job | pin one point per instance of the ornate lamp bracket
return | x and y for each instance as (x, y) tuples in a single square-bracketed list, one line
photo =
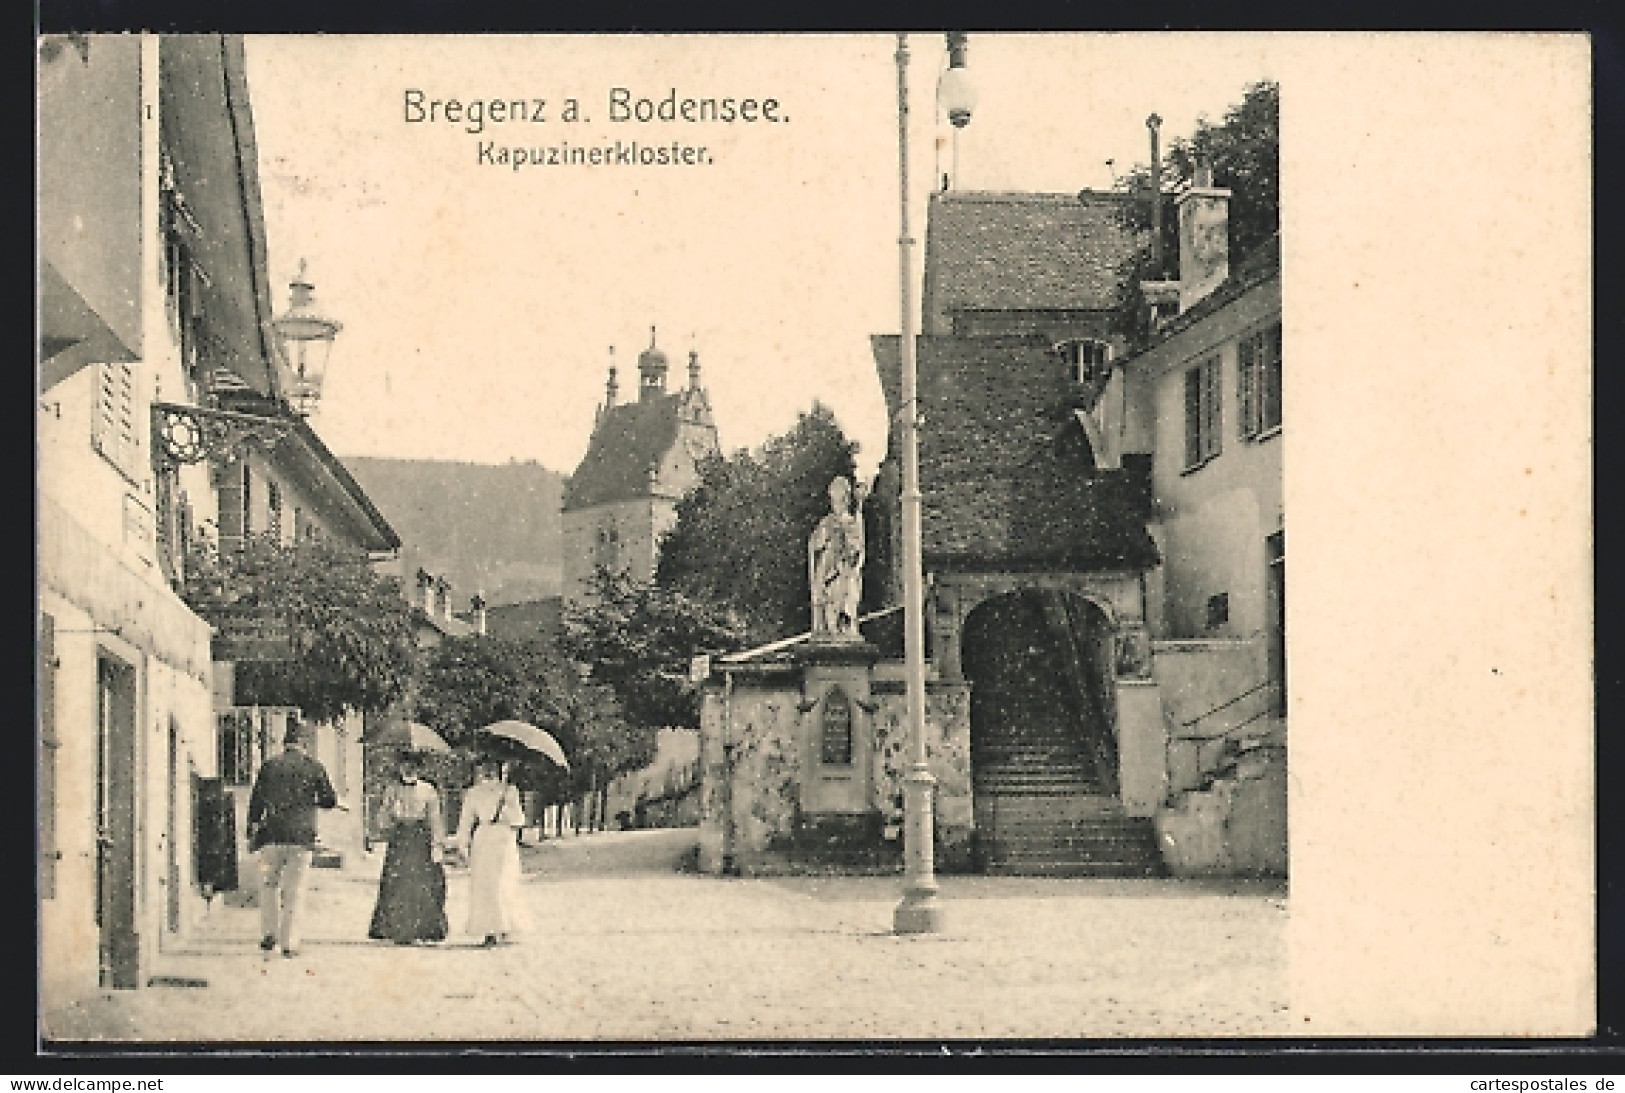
[(192, 434)]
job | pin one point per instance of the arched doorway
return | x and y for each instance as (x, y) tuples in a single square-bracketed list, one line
[(1041, 711), (1044, 766)]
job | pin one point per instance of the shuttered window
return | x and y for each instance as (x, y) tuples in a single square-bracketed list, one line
[(1271, 379), (1247, 386), (114, 431), (235, 739), (1258, 358), (1203, 416), (231, 485)]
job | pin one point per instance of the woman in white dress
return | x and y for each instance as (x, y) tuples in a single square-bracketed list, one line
[(488, 836)]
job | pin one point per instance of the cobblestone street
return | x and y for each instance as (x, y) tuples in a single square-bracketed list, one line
[(626, 947)]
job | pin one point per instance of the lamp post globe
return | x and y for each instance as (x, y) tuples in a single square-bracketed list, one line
[(956, 95)]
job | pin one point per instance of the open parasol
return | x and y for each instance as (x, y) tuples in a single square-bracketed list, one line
[(519, 740), (409, 736)]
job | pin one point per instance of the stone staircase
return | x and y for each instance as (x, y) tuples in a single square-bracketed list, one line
[(1045, 802), (1041, 812)]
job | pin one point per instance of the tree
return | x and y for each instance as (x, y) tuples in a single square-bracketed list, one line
[(741, 535), (640, 639), (1243, 151), (350, 628), (469, 682)]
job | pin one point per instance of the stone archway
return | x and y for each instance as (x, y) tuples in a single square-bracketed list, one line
[(1043, 728), (1042, 711)]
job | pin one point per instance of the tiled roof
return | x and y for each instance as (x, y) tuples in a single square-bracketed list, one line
[(1005, 477), (320, 475), (627, 446), (1023, 251)]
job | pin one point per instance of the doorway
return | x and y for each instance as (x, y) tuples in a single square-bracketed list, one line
[(1041, 709), (172, 833), (1275, 553), (119, 955)]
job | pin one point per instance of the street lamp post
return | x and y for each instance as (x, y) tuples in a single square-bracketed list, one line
[(920, 911)]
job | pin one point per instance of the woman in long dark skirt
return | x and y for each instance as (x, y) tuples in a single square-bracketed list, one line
[(412, 893)]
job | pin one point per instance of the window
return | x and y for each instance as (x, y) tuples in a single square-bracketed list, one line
[(183, 299), (244, 738), (248, 500), (273, 501), (184, 280), (236, 737), (1218, 610), (1085, 359), (231, 485), (1258, 361), (836, 738), (113, 430), (608, 555), (1202, 413)]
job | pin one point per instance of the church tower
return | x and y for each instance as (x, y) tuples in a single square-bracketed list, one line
[(643, 456)]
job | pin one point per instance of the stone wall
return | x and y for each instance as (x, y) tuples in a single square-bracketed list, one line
[(1142, 746), (1237, 826), (1207, 689), (753, 805), (947, 717), (752, 801), (751, 770)]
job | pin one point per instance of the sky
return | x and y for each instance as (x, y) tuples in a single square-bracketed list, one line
[(480, 303)]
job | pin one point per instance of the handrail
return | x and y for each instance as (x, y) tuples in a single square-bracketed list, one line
[(796, 639), (1266, 712), (1229, 736), (1226, 705)]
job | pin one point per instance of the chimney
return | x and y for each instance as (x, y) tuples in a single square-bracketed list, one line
[(611, 389), (476, 605), (693, 369), (1204, 237), (426, 592), (442, 599), (1154, 123)]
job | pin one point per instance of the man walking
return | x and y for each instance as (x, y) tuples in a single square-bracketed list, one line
[(282, 827)]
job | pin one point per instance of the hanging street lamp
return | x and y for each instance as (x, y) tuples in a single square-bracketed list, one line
[(305, 337)]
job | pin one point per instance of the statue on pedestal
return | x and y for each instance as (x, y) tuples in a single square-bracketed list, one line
[(835, 554)]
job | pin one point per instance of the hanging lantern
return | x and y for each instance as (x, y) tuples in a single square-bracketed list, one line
[(305, 337)]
